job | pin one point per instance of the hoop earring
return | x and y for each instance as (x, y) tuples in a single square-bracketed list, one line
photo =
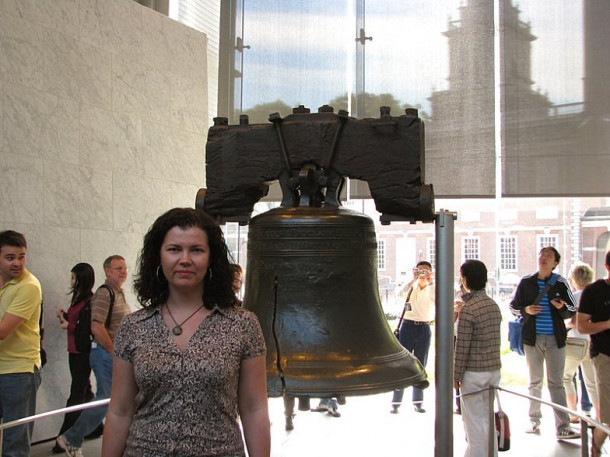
[(159, 275), (209, 274)]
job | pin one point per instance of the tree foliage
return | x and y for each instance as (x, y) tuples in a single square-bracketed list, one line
[(372, 104), (259, 114)]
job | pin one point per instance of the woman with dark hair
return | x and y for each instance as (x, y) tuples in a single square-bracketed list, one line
[(82, 281), (477, 357), (190, 360)]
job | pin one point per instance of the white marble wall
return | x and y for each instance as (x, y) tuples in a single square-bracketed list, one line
[(103, 121)]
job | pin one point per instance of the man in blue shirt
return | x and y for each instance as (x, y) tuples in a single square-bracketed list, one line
[(544, 335)]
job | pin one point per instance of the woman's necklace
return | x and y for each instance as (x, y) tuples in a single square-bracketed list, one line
[(177, 330)]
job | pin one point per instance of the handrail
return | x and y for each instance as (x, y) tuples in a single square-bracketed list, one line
[(582, 416), (584, 419), (68, 409)]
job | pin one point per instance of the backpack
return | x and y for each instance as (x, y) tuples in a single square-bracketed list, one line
[(82, 330), (43, 353)]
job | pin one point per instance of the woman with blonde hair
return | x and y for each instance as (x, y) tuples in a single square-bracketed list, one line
[(581, 275)]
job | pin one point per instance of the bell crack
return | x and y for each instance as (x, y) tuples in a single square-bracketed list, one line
[(278, 352)]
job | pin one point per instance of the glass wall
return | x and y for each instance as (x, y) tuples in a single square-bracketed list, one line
[(513, 95), (506, 234)]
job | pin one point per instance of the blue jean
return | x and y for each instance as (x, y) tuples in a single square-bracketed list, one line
[(18, 400), (585, 399), (101, 364), (414, 338)]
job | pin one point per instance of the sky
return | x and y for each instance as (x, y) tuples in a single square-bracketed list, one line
[(557, 53), (303, 51)]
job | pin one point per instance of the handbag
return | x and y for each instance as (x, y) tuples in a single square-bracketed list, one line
[(502, 427), (576, 348), (515, 337), (515, 328)]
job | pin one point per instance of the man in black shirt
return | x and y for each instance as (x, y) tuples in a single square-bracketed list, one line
[(594, 319)]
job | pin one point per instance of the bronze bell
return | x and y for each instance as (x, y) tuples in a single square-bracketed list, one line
[(311, 279), (312, 266)]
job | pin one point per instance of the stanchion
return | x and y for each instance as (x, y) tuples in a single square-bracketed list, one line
[(443, 427)]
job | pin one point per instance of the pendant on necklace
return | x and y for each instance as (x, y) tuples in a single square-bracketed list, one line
[(177, 330)]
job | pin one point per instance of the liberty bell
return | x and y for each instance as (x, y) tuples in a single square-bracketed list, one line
[(312, 282), (311, 275)]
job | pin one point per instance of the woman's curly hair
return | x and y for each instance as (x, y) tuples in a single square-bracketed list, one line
[(151, 285)]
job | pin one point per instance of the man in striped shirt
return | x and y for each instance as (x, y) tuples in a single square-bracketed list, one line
[(544, 335)]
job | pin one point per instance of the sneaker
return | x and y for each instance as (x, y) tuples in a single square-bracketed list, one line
[(418, 408), (324, 405), (71, 451), (534, 430), (56, 449), (333, 412), (394, 409), (568, 434)]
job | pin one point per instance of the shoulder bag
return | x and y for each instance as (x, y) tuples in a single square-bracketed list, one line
[(502, 427), (402, 315), (576, 348)]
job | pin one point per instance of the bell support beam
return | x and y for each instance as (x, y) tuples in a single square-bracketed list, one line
[(443, 428), (386, 152)]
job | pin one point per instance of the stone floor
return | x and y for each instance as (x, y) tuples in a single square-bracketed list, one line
[(366, 428)]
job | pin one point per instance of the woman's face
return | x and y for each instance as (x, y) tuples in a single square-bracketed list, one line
[(72, 279), (185, 257)]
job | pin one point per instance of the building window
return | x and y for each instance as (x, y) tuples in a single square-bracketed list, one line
[(381, 255), (508, 253), (471, 248), (547, 240), (431, 248)]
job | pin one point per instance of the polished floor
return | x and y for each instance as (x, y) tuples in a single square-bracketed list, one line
[(366, 428)]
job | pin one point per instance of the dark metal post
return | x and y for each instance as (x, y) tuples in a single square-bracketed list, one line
[(584, 438), (443, 428)]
